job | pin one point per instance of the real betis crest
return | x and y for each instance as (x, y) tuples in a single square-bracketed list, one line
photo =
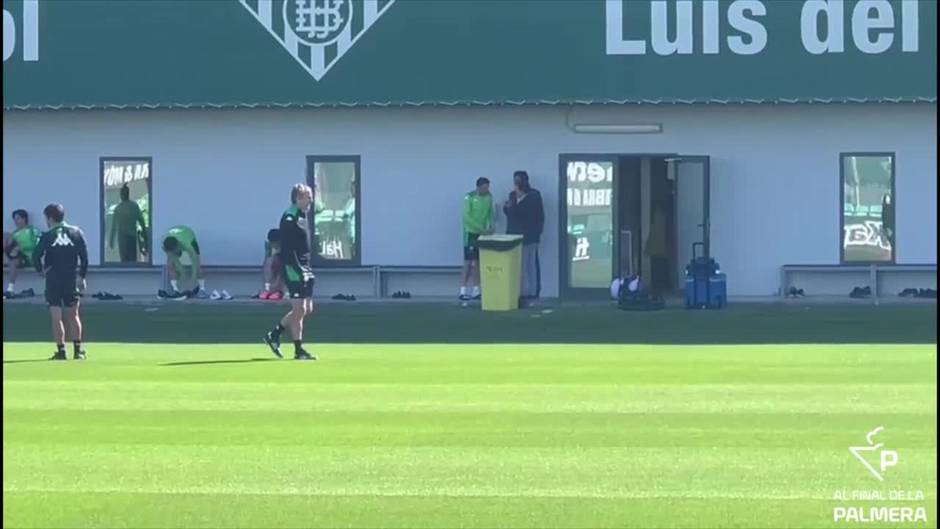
[(317, 33)]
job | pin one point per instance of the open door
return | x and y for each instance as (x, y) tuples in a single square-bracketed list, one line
[(693, 197), (587, 239)]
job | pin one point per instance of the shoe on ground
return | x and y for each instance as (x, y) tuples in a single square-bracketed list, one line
[(9, 294), (28, 293), (200, 294), (225, 295), (176, 296), (81, 355), (274, 342), (464, 297), (277, 295), (304, 355), (909, 293), (264, 295), (339, 297), (215, 296), (59, 355)]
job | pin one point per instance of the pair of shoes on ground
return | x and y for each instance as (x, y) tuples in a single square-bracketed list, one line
[(28, 293), (107, 296), (274, 342), (174, 295), (272, 295), (860, 292), (400, 294), (474, 296), (81, 355), (796, 293), (220, 295), (927, 293), (195, 293), (344, 297)]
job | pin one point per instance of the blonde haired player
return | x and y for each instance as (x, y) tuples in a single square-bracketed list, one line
[(295, 260)]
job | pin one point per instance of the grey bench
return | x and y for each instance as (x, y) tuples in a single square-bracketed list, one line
[(385, 271), (874, 271)]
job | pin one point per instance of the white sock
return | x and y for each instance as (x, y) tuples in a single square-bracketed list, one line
[(202, 284), (267, 287), (10, 287), (463, 291), (174, 285)]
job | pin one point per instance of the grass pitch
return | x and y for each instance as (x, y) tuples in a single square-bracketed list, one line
[(514, 423)]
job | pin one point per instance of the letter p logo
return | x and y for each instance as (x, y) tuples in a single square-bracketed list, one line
[(889, 458)]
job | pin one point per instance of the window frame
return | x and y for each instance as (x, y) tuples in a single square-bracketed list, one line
[(315, 258), (894, 245), (102, 211)]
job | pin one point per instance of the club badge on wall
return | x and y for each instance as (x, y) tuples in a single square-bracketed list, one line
[(317, 33)]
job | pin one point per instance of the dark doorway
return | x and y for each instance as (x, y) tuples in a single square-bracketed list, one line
[(646, 206)]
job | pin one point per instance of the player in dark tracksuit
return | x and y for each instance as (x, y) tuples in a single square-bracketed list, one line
[(62, 258), (295, 258)]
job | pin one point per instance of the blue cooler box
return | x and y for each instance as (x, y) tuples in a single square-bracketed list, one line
[(710, 293), (717, 291)]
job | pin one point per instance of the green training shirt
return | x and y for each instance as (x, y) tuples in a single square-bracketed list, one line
[(26, 239), (477, 214), (185, 236)]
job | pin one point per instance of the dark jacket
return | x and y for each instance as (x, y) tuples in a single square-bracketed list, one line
[(526, 218)]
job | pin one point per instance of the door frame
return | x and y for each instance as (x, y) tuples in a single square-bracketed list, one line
[(706, 162)]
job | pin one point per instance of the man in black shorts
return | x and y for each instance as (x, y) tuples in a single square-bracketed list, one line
[(295, 260), (60, 256), (477, 219)]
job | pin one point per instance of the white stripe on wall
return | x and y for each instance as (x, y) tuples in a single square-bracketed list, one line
[(370, 12), (264, 12)]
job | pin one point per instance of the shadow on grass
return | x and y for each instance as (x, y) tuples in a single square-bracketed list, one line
[(213, 362), (426, 323), (28, 360)]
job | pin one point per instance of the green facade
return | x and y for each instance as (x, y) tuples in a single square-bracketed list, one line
[(172, 53)]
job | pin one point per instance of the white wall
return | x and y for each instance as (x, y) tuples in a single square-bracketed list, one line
[(775, 172)]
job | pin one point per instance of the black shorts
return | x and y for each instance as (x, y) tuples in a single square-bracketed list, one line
[(61, 291), (471, 252), (302, 288)]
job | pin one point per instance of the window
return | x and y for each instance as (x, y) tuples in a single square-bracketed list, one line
[(868, 205), (336, 215), (126, 211)]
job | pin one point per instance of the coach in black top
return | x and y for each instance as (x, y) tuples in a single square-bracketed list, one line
[(60, 257), (525, 215)]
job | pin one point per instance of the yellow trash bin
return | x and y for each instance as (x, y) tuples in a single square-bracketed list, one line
[(500, 271)]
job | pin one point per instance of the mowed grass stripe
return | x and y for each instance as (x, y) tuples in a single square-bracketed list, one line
[(715, 398), (396, 429), (295, 512), (566, 471)]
